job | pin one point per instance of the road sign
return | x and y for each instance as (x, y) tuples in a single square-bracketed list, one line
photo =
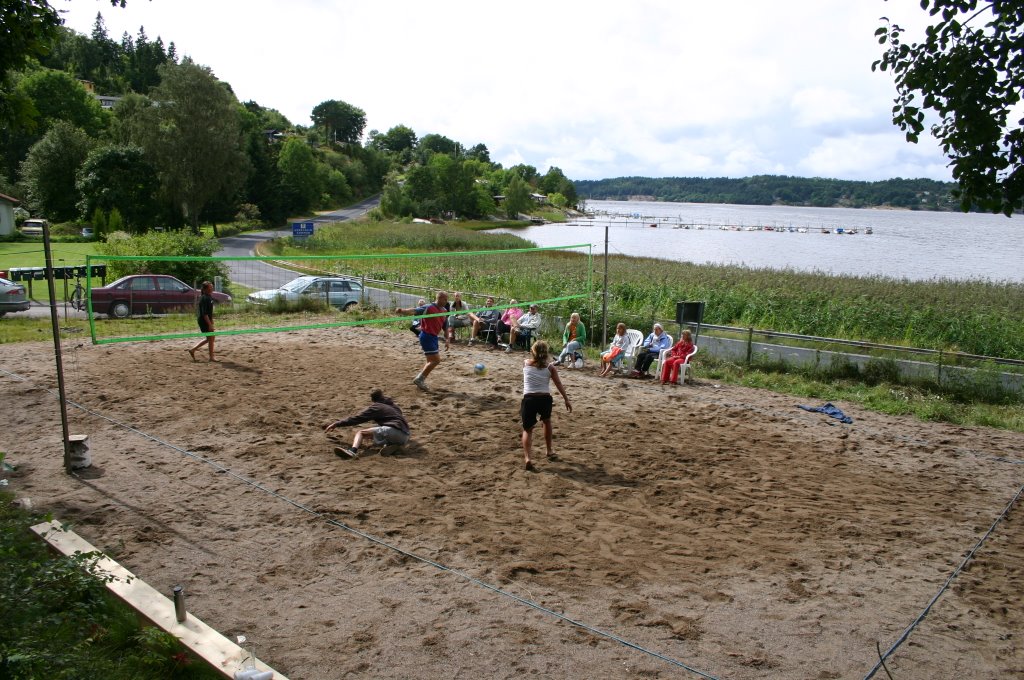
[(302, 229)]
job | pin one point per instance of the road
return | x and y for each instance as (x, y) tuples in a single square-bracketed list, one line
[(265, 275)]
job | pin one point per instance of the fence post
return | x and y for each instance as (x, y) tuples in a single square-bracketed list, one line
[(362, 291), (750, 345), (939, 369)]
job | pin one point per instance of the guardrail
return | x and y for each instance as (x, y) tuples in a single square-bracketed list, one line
[(939, 365)]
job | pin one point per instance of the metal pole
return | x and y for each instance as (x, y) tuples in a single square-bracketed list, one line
[(604, 301), (55, 325)]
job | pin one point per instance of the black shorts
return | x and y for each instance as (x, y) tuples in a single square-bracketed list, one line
[(535, 406), (203, 326)]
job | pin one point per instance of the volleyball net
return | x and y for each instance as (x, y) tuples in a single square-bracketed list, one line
[(156, 297)]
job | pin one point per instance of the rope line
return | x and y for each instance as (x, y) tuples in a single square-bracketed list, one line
[(381, 542), (970, 555)]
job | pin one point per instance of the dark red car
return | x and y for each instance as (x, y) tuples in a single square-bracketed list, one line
[(148, 294)]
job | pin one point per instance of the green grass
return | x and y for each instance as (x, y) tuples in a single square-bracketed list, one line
[(59, 621), (30, 253), (884, 397)]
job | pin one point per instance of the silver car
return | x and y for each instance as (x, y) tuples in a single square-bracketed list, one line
[(336, 291), (12, 297)]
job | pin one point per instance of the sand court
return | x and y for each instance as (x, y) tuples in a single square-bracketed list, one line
[(683, 531)]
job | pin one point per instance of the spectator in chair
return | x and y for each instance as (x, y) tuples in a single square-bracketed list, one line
[(484, 319), (613, 357), (573, 337), (507, 321), (524, 327), (461, 318), (676, 357), (649, 351)]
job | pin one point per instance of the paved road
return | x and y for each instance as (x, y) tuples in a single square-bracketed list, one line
[(266, 275)]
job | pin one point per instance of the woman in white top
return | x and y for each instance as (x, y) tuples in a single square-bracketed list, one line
[(538, 371), (613, 357)]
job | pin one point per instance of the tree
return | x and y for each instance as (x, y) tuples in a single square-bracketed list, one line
[(300, 181), (48, 172), (554, 181), (119, 177), (517, 197), (434, 143), (969, 71), (27, 28), (59, 96), (341, 122), (479, 152), (49, 96), (399, 140), (193, 138)]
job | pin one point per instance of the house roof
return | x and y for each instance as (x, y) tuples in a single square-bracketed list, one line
[(9, 199)]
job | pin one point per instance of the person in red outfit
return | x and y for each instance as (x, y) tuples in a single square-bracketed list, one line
[(676, 357)]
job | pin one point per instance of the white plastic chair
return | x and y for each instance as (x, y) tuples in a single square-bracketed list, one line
[(636, 338), (661, 355), (682, 367)]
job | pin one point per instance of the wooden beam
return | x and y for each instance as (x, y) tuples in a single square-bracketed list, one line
[(206, 643)]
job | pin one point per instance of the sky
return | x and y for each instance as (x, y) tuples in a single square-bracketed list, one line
[(654, 88)]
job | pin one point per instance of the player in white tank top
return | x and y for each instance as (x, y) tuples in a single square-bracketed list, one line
[(538, 372)]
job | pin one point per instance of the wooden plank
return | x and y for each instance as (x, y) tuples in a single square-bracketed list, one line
[(206, 643)]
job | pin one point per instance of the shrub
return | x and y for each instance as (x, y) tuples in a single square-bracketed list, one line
[(164, 244)]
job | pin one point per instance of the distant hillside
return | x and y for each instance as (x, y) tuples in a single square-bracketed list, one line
[(912, 194)]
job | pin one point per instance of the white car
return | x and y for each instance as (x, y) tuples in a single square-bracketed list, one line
[(12, 297), (336, 291), (33, 227)]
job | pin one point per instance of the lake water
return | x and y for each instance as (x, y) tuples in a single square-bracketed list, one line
[(904, 244)]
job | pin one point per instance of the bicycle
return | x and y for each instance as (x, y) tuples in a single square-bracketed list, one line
[(78, 296)]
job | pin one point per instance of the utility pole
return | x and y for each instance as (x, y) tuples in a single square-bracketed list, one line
[(55, 324), (604, 300)]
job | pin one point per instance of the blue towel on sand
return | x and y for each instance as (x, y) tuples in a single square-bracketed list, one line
[(829, 410)]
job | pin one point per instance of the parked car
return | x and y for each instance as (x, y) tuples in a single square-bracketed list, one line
[(338, 292), (87, 232), (33, 226), (148, 294), (12, 297)]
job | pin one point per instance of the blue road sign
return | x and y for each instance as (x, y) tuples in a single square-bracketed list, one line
[(302, 229)]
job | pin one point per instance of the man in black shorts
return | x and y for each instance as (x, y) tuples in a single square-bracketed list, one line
[(204, 316)]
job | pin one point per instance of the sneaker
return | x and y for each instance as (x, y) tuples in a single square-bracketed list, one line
[(345, 452), (420, 383), (508, 349), (472, 340)]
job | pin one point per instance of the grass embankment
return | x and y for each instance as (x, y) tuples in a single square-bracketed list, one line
[(60, 622)]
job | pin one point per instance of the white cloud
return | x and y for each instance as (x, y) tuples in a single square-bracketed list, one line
[(600, 89)]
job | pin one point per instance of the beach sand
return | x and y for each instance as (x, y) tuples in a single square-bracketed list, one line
[(704, 527)]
